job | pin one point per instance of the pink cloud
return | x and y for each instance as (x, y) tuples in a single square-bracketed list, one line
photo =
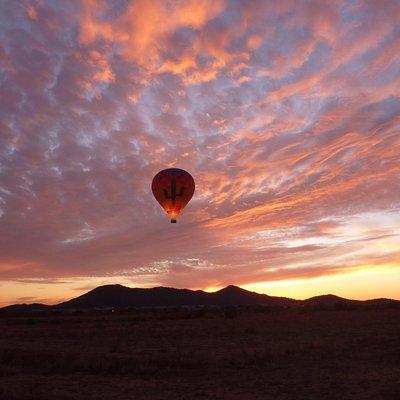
[(286, 115)]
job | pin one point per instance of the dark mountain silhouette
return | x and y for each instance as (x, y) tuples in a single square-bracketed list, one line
[(26, 307), (382, 302), (328, 300), (332, 301), (118, 296), (234, 295)]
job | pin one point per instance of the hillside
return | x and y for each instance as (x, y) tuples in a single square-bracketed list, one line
[(118, 297)]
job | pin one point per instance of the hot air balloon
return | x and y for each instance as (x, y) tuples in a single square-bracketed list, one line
[(173, 188)]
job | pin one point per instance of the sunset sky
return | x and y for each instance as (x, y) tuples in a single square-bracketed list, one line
[(286, 113)]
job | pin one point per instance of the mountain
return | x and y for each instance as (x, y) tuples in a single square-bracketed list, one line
[(118, 296), (18, 308), (234, 295), (328, 300)]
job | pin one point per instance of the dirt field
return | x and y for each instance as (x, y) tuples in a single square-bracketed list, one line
[(219, 354)]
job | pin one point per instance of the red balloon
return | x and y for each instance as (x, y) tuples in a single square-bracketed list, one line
[(173, 188)]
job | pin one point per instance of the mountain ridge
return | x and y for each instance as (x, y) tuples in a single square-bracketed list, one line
[(118, 296)]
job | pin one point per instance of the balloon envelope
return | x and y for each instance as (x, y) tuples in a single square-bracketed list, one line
[(173, 188)]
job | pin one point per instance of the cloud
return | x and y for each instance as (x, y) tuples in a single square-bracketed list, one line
[(286, 115)]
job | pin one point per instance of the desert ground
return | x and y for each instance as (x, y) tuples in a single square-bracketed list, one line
[(202, 354)]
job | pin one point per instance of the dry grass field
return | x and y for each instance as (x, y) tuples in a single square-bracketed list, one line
[(216, 354)]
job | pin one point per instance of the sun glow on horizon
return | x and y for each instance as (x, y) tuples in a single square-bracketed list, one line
[(359, 284)]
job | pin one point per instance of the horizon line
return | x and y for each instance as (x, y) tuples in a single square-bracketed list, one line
[(60, 301)]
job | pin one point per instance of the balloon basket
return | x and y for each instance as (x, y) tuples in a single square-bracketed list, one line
[(173, 221)]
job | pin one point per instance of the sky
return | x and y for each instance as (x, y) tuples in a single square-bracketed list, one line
[(287, 115)]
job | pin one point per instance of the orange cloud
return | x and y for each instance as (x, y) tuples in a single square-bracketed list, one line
[(142, 31), (286, 115)]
